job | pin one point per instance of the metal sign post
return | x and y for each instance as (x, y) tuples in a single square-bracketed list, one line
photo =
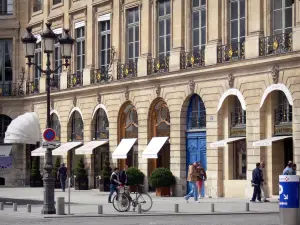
[(69, 196), (289, 199)]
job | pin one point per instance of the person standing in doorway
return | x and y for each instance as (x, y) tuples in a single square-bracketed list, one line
[(263, 183), (114, 182), (192, 179), (123, 176), (62, 176), (256, 182)]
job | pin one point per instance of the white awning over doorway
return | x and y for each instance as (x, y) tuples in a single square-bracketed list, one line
[(39, 152), (123, 148), (154, 147), (223, 143), (269, 141), (5, 150), (25, 129), (87, 149), (64, 148)]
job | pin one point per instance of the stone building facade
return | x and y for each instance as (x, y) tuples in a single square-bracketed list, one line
[(214, 81)]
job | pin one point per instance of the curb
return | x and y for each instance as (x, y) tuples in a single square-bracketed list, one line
[(163, 214)]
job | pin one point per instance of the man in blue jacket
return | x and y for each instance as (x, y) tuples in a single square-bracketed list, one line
[(256, 182)]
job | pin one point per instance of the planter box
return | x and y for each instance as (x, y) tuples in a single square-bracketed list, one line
[(163, 191), (104, 185), (81, 184)]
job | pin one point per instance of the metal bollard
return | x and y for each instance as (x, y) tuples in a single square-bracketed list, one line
[(100, 209), (212, 207), (60, 206), (1, 206), (15, 207), (176, 208), (29, 208), (247, 206), (139, 208)]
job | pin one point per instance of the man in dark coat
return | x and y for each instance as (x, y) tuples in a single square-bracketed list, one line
[(256, 182), (123, 176), (62, 176)]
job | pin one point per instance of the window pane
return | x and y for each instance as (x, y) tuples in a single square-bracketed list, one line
[(78, 62), (103, 58), (288, 3), (196, 19), (242, 27), (103, 26), (234, 29), (203, 18), (196, 37), (168, 8), (168, 22), (136, 49), (168, 42), (277, 20), (130, 50), (160, 9), (234, 10), (8, 74), (83, 47), (83, 62), (108, 41), (288, 17), (137, 33), (103, 42), (108, 24), (78, 51), (108, 56), (242, 8), (137, 15), (82, 31), (203, 2), (203, 36), (161, 27), (277, 4), (195, 3), (130, 16), (161, 45), (130, 34)]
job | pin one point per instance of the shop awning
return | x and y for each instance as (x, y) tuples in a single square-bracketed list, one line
[(87, 149), (269, 141), (123, 148), (223, 143), (64, 148), (39, 152), (154, 147), (5, 150)]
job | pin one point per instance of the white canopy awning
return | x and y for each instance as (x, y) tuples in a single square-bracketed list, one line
[(269, 141), (154, 147), (64, 148), (39, 152), (88, 148), (123, 148), (5, 150), (25, 129), (223, 143)]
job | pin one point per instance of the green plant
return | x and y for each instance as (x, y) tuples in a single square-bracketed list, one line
[(80, 171), (55, 167), (134, 176), (106, 171), (161, 177), (35, 171)]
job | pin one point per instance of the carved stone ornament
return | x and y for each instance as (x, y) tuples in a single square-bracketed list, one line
[(126, 93), (275, 74), (192, 85), (75, 101), (158, 90), (32, 107), (99, 98), (230, 80)]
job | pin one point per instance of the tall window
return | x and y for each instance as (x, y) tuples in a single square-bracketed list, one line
[(238, 117), (284, 110), (80, 49), (104, 27), (55, 125), (37, 5), (282, 16), (77, 127), (164, 28), (199, 24), (196, 113), (102, 125), (4, 122), (237, 21), (57, 57), (6, 7), (38, 61), (5, 61), (133, 38)]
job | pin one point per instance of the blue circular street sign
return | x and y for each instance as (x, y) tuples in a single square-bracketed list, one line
[(49, 134)]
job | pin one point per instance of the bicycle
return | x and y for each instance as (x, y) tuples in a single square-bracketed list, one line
[(124, 199)]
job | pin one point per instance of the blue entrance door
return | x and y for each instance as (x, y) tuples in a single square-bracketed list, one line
[(196, 150)]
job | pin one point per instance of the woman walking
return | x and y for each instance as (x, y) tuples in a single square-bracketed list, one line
[(200, 180)]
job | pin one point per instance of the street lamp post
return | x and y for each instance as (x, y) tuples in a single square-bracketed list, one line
[(48, 41)]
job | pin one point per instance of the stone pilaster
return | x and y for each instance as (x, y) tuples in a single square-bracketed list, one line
[(86, 76), (90, 36)]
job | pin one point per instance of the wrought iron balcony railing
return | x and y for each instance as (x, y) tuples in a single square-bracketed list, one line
[(231, 52), (192, 59), (126, 70), (238, 119), (75, 80), (277, 44), (196, 122), (283, 116), (101, 75), (55, 83), (158, 65), (9, 89), (32, 87)]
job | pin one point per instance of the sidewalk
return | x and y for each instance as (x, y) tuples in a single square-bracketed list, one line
[(85, 203)]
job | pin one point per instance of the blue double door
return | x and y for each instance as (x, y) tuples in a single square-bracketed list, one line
[(196, 151)]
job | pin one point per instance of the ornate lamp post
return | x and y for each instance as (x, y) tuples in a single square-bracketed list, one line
[(48, 41)]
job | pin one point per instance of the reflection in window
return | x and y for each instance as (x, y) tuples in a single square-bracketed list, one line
[(55, 125), (77, 127), (237, 21), (199, 24), (284, 111), (164, 28), (80, 49), (196, 117), (6, 7), (104, 42), (282, 16), (4, 123), (102, 125), (133, 27)]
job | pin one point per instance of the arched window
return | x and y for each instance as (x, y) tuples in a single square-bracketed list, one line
[(77, 127), (161, 118), (238, 117), (131, 122), (196, 113), (101, 125), (284, 111), (55, 125), (4, 123)]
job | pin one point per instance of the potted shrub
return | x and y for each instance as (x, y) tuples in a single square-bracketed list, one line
[(162, 180), (35, 176), (135, 177), (104, 178), (81, 178), (54, 173)]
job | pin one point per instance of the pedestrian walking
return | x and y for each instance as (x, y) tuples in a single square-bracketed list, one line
[(200, 180), (123, 176), (256, 182), (114, 182), (62, 176), (263, 183), (192, 179)]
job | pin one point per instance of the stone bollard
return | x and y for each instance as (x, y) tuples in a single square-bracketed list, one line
[(247, 206), (176, 208), (29, 208), (100, 209), (1, 206), (212, 207), (60, 206), (139, 208), (15, 207)]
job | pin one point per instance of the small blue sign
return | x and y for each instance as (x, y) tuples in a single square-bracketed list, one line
[(288, 191)]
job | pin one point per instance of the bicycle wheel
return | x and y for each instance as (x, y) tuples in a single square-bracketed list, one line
[(121, 202), (145, 201)]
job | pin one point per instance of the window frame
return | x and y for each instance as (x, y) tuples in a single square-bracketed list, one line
[(56, 126), (101, 117), (76, 119), (164, 18), (80, 41), (200, 10), (57, 61), (4, 9), (239, 18), (107, 49), (134, 25), (38, 60), (3, 43), (283, 18)]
